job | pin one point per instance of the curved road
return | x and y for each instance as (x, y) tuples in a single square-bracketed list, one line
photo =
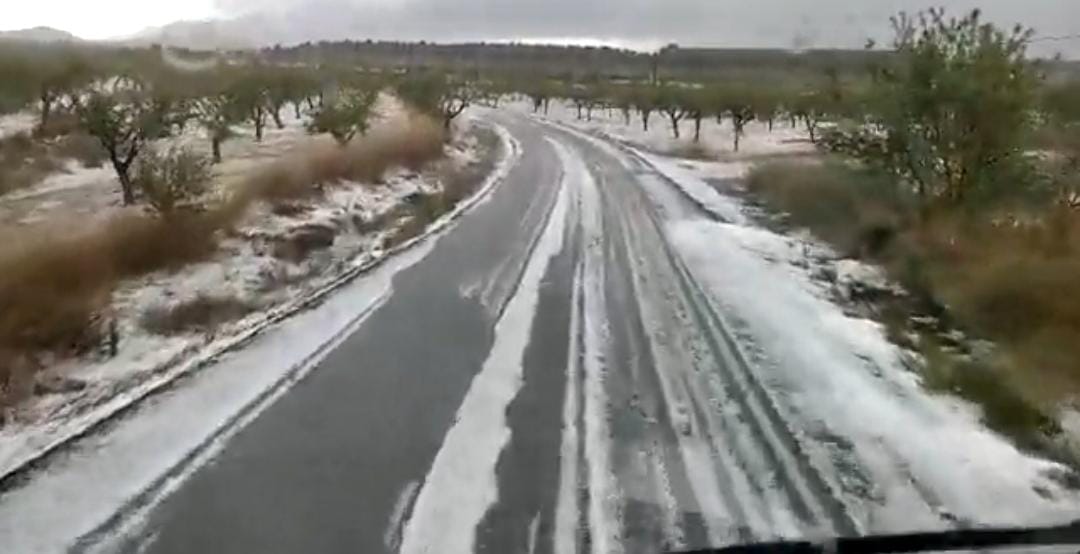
[(549, 378)]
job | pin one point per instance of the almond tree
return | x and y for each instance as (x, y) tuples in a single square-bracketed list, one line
[(58, 75), (123, 120), (809, 107), (695, 103), (217, 114), (436, 95), (16, 81), (249, 97), (622, 98), (736, 102), (766, 105), (345, 115), (669, 100), (950, 109), (540, 94), (581, 97), (285, 86), (645, 101)]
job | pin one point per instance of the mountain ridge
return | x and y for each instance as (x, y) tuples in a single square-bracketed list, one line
[(40, 33)]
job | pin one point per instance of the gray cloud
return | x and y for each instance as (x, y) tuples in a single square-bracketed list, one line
[(727, 23)]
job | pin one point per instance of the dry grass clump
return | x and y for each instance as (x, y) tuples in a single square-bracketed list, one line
[(365, 160), (457, 183), (857, 211), (1016, 284), (1009, 274)]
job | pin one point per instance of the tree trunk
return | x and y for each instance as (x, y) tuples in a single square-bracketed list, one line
[(121, 168), (259, 124), (579, 112), (296, 109), (770, 121), (697, 129), (46, 111), (674, 126), (738, 135), (626, 115), (547, 105), (310, 103), (126, 187), (276, 114), (215, 144), (645, 121)]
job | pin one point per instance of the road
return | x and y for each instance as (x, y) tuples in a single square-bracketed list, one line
[(550, 377)]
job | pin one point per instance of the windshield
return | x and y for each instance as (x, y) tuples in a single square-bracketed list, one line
[(538, 276)]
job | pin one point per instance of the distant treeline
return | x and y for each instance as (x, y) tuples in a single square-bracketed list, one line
[(582, 63), (576, 62)]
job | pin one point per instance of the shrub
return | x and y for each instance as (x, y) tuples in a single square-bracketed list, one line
[(857, 210), (171, 179)]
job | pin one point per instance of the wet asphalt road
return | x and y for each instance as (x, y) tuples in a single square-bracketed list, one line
[(634, 427)]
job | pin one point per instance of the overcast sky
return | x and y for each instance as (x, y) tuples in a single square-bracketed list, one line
[(635, 23)]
